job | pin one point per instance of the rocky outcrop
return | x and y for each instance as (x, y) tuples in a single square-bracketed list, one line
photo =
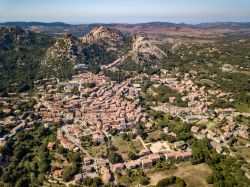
[(69, 48), (100, 45), (144, 50), (112, 37)]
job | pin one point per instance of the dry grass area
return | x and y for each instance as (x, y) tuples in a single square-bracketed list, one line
[(97, 151), (154, 134), (209, 124), (59, 161), (242, 150), (124, 147), (194, 175)]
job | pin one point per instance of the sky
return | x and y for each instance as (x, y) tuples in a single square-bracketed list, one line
[(125, 11)]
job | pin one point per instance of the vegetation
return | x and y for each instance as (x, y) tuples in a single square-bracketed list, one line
[(116, 75), (209, 65), (226, 170), (20, 59), (170, 181), (113, 156), (130, 65), (27, 159)]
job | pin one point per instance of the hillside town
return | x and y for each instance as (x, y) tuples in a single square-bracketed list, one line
[(92, 107)]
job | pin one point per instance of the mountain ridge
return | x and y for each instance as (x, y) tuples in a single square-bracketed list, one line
[(42, 55), (154, 23), (33, 23)]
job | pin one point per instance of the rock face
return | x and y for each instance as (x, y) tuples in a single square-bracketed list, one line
[(100, 45), (61, 58), (22, 51), (112, 37), (144, 50), (69, 48)]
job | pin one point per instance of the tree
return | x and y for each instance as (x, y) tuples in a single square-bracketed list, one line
[(166, 181), (69, 172), (180, 182), (144, 180), (114, 157), (132, 156), (209, 179), (97, 181), (75, 91)]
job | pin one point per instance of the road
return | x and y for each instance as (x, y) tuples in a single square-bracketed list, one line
[(116, 62), (13, 131), (76, 142), (143, 143)]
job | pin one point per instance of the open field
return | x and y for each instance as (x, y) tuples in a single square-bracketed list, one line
[(127, 181), (59, 161), (153, 135), (124, 147), (194, 175), (242, 107), (209, 124), (245, 121), (242, 150), (97, 151)]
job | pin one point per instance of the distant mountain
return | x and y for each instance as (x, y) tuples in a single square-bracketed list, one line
[(210, 25), (31, 24), (152, 29), (224, 25)]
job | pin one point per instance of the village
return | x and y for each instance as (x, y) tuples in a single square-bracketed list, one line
[(93, 109)]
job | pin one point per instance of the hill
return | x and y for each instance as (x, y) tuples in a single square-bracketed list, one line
[(31, 24), (154, 30), (20, 55), (26, 55)]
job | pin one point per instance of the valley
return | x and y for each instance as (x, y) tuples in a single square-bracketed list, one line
[(113, 106)]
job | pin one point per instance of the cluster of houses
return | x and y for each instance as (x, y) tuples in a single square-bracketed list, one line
[(221, 136), (100, 103), (148, 159), (196, 96), (198, 102), (13, 117), (92, 105)]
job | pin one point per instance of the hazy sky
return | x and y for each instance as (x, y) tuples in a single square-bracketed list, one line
[(130, 11)]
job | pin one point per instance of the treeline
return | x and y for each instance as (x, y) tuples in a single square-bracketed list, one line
[(116, 75), (20, 59), (26, 158), (171, 181), (227, 170)]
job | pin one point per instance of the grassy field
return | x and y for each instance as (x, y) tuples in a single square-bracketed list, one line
[(125, 180), (194, 175), (245, 121), (243, 107), (124, 147), (97, 151), (242, 150), (59, 161), (154, 134), (206, 122)]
